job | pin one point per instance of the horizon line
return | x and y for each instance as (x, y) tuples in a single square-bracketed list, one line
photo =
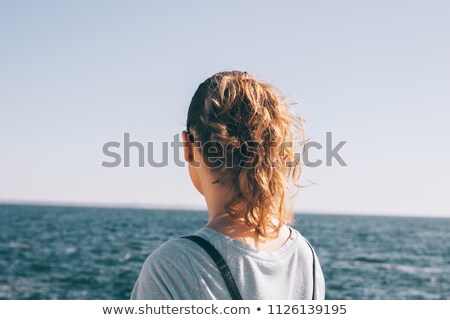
[(196, 208)]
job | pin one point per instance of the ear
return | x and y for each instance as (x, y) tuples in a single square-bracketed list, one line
[(187, 146)]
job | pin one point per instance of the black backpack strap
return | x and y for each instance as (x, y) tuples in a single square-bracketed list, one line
[(221, 264), (314, 297)]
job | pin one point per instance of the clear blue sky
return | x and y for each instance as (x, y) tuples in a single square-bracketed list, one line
[(76, 74)]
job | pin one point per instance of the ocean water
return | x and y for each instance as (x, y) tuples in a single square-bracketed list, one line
[(51, 252)]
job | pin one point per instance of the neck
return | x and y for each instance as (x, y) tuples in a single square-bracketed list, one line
[(216, 196)]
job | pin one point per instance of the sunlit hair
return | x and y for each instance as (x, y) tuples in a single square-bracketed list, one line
[(250, 122)]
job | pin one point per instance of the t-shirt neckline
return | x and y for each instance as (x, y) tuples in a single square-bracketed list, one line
[(216, 237)]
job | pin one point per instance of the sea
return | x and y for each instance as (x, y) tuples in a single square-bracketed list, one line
[(57, 252)]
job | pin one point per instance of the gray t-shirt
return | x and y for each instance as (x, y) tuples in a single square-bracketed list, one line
[(181, 269)]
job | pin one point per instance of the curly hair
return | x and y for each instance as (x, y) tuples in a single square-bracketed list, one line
[(246, 130)]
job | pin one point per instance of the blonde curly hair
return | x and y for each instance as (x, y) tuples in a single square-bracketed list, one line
[(249, 123)]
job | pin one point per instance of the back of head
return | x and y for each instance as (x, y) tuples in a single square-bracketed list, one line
[(246, 129)]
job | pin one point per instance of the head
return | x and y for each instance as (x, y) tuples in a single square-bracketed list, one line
[(240, 136)]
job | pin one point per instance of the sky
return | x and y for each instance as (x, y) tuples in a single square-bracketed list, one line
[(77, 74)]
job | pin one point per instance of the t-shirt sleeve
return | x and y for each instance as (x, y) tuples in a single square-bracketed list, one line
[(151, 283), (320, 282), (167, 274), (319, 277)]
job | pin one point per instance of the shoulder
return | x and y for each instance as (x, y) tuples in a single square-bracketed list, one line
[(171, 252), (301, 241), (167, 273), (304, 246)]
